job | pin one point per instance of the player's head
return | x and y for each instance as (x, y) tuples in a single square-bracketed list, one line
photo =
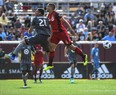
[(50, 7), (39, 12), (96, 44)]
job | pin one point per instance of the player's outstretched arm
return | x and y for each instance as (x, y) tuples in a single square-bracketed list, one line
[(68, 25)]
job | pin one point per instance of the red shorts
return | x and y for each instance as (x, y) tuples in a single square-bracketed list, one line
[(60, 36), (37, 63)]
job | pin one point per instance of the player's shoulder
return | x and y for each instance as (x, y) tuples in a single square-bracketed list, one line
[(40, 17)]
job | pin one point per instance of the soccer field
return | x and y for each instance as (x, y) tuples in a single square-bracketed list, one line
[(59, 87)]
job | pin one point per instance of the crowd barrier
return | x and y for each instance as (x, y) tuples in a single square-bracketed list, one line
[(60, 71), (10, 70)]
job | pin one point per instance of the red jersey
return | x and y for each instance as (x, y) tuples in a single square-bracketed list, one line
[(38, 57), (55, 22)]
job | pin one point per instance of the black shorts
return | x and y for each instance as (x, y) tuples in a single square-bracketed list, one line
[(39, 39)]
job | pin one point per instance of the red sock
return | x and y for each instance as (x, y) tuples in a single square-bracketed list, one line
[(79, 51), (51, 58)]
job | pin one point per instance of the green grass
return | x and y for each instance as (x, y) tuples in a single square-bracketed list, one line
[(59, 87)]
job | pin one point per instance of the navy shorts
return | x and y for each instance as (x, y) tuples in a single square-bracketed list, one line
[(26, 67), (39, 39)]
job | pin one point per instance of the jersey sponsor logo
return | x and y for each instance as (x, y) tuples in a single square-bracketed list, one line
[(26, 51), (52, 18), (103, 72), (49, 74), (67, 73)]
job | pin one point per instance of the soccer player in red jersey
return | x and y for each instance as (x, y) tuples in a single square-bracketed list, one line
[(38, 61), (59, 33)]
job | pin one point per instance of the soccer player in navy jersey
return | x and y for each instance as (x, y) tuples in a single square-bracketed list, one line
[(25, 62), (59, 33), (41, 25)]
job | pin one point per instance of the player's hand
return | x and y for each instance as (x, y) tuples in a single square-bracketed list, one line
[(49, 39)]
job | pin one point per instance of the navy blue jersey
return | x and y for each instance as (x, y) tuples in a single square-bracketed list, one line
[(26, 54), (41, 25)]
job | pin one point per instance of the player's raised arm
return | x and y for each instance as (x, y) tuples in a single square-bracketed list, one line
[(30, 29), (68, 25)]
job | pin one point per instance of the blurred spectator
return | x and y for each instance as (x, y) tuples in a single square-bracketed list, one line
[(81, 36), (110, 37), (8, 6), (80, 26), (95, 35), (88, 16), (17, 24), (73, 20), (110, 26), (86, 32), (101, 29), (27, 21), (2, 34), (4, 20), (110, 15), (12, 17), (10, 34), (89, 25), (2, 55), (89, 37), (79, 10), (23, 29)]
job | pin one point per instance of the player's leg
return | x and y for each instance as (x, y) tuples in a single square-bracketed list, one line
[(80, 52), (23, 68), (93, 71), (24, 77), (17, 49), (72, 71), (66, 39), (51, 56), (97, 72), (53, 42), (35, 73), (41, 71)]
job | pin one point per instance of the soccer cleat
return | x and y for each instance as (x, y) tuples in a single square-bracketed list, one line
[(25, 86), (11, 56), (98, 78), (48, 67), (35, 80), (85, 58), (40, 80), (71, 80)]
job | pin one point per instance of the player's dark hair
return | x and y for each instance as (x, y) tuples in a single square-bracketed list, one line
[(52, 5), (41, 10)]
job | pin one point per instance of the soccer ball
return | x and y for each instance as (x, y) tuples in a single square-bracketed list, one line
[(107, 44)]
